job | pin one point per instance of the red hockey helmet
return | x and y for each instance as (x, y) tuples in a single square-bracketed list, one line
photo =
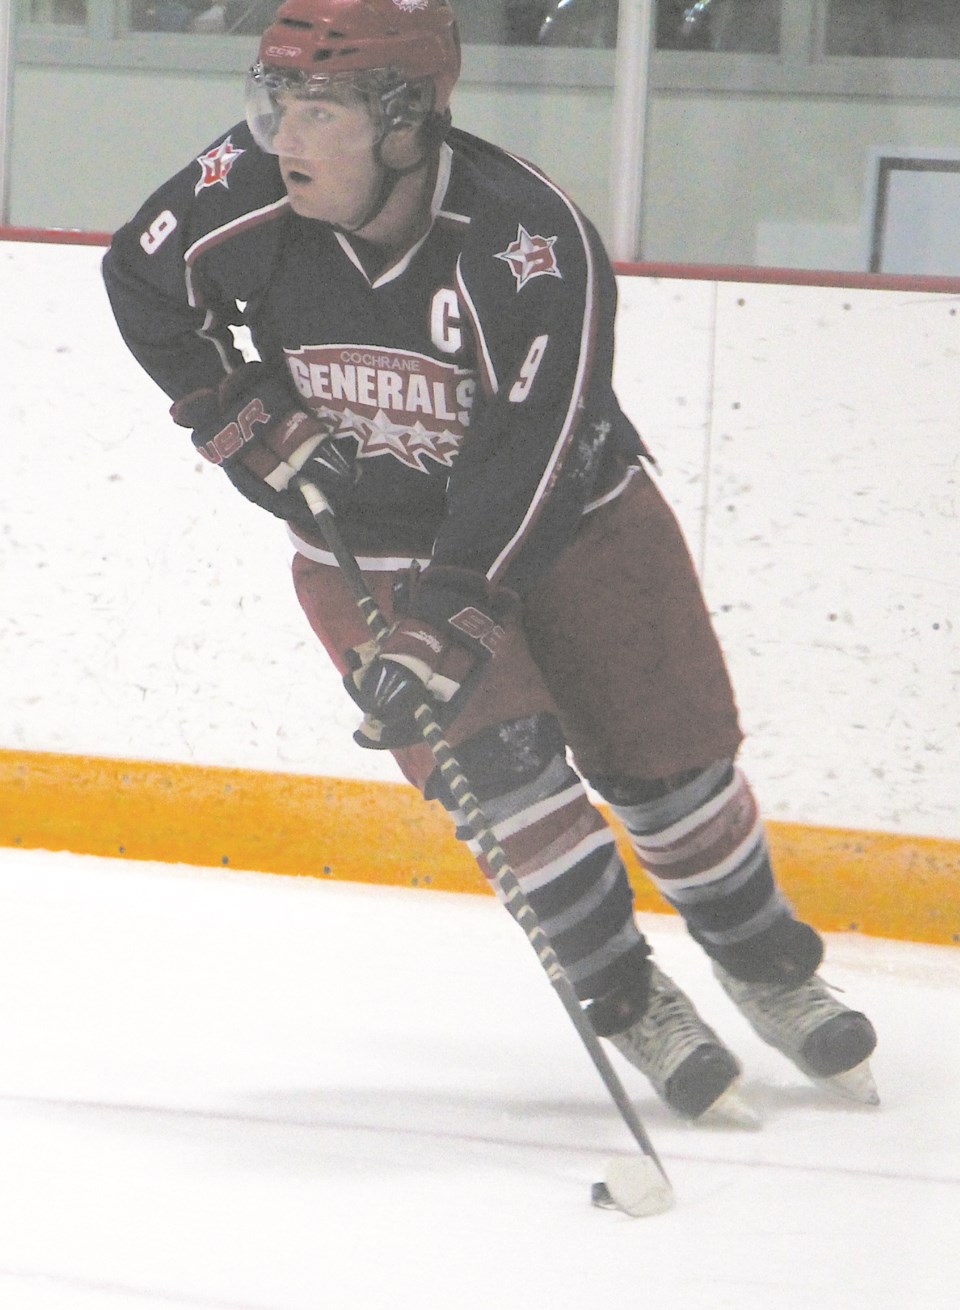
[(416, 39)]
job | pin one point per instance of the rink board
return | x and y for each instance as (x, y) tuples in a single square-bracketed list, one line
[(883, 884)]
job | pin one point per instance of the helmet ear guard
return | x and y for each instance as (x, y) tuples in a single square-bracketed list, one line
[(409, 103), (412, 129)]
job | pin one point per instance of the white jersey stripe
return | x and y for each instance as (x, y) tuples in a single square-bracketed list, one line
[(368, 563), (490, 373), (396, 270), (231, 229)]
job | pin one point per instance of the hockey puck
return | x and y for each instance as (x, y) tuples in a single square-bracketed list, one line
[(601, 1198)]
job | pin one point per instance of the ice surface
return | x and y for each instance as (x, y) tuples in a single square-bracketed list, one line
[(229, 1091)]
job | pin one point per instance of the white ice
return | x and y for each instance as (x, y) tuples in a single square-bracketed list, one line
[(232, 1091)]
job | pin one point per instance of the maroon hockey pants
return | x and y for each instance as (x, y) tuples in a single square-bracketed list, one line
[(615, 641)]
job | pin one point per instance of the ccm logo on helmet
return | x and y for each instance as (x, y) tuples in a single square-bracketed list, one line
[(284, 51)]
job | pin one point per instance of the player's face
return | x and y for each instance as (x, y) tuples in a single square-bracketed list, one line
[(326, 150)]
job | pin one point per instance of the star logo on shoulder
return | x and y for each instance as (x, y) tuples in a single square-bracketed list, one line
[(530, 256), (216, 164)]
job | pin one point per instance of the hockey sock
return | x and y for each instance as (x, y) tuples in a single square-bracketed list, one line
[(702, 842), (559, 846)]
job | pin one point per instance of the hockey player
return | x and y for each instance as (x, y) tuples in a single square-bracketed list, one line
[(434, 321)]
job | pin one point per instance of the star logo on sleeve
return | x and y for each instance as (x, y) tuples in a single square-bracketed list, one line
[(216, 164), (529, 257)]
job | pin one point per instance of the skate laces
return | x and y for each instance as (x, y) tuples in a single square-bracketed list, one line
[(667, 1031), (791, 1013)]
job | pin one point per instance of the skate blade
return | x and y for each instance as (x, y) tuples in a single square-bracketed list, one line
[(855, 1084), (730, 1110)]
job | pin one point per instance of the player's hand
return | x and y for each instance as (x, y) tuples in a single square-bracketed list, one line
[(449, 625), (253, 427)]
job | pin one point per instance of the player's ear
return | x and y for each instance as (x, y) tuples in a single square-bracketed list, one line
[(403, 148)]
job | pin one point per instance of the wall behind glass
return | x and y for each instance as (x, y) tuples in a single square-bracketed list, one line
[(768, 120), (773, 143)]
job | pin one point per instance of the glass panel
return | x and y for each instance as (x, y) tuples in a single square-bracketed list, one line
[(242, 17), (901, 29), (498, 22), (63, 13), (730, 25), (515, 98), (780, 162), (748, 26), (587, 23)]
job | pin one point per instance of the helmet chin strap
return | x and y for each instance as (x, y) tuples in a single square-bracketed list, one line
[(433, 132), (389, 178)]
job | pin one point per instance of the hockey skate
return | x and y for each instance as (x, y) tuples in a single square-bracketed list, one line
[(826, 1040), (689, 1067)]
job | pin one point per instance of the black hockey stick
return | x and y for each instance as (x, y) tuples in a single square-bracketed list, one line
[(638, 1186)]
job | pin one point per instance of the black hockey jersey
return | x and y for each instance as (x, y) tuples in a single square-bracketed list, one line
[(474, 373)]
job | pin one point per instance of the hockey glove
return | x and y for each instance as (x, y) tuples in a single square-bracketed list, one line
[(449, 624), (252, 426)]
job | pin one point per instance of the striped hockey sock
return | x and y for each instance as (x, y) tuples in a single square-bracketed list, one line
[(564, 855), (704, 847)]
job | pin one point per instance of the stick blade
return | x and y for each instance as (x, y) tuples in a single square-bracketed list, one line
[(634, 1185)]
